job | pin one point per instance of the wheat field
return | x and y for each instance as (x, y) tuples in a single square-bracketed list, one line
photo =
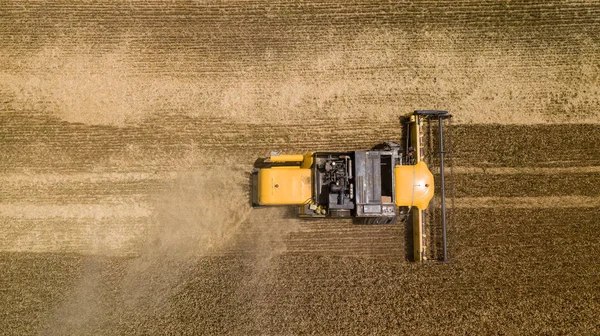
[(128, 130)]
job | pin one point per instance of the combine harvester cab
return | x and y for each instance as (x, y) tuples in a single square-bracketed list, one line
[(375, 186)]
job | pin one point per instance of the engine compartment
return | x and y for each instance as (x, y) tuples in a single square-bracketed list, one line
[(334, 182)]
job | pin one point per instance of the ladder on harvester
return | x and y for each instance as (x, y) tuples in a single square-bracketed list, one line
[(430, 226)]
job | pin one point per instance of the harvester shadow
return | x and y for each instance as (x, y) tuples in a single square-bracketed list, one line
[(408, 240), (251, 190)]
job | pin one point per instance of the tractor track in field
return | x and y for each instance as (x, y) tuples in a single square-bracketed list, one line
[(164, 145), (128, 131)]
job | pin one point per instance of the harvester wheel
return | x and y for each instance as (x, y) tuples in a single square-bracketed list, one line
[(340, 213), (377, 220)]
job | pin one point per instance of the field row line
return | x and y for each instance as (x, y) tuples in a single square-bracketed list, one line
[(527, 170)]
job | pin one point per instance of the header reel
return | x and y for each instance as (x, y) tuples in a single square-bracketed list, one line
[(429, 226)]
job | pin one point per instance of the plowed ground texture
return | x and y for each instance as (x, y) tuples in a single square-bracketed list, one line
[(128, 130)]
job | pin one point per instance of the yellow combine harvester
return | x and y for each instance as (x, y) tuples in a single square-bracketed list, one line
[(373, 186)]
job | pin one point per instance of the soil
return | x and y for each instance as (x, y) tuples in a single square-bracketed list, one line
[(128, 131)]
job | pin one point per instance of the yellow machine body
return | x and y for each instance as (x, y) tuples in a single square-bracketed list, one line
[(414, 185), (284, 185), (292, 184), (286, 158)]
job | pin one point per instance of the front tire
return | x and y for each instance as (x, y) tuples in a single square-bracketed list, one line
[(376, 220)]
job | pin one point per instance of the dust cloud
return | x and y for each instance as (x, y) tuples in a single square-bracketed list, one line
[(202, 213), (198, 215)]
